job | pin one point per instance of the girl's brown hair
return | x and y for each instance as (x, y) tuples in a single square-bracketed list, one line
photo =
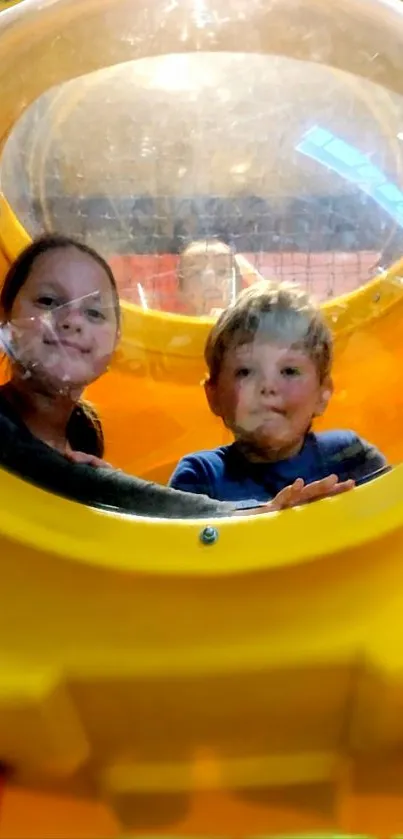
[(84, 429)]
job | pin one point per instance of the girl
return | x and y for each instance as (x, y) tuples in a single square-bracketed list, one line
[(60, 325)]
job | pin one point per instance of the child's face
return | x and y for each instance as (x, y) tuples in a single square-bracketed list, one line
[(207, 281), (267, 394), (63, 322)]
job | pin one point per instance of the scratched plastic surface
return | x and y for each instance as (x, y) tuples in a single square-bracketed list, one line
[(258, 142)]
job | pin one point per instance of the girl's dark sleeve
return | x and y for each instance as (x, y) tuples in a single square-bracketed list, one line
[(32, 460)]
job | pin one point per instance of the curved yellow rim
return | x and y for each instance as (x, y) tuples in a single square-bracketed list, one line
[(75, 532), (6, 4)]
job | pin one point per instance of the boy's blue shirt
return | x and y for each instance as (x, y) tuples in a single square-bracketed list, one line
[(226, 474)]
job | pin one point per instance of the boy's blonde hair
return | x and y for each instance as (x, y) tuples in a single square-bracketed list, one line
[(200, 247), (271, 311)]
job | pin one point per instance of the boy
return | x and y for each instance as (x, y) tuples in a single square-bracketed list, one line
[(269, 358)]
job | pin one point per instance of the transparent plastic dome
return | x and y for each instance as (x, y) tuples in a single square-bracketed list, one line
[(292, 164)]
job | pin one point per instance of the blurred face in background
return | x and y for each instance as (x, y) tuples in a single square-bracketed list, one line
[(208, 277)]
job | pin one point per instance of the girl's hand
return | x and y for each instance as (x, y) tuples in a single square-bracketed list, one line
[(300, 493)]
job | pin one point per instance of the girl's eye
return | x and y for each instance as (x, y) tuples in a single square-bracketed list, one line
[(242, 372), (95, 314), (46, 301), (291, 372)]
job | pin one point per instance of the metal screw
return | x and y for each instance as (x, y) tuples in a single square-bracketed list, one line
[(209, 535)]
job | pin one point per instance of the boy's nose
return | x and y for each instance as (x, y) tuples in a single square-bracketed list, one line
[(268, 385)]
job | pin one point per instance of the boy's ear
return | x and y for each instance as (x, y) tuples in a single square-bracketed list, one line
[(325, 394), (211, 396)]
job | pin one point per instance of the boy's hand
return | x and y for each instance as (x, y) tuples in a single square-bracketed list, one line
[(88, 459), (300, 493)]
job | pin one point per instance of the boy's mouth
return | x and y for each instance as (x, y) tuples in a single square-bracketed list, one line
[(271, 409)]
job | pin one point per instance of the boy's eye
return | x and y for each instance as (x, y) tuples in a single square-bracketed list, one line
[(291, 372), (242, 372), (95, 314)]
